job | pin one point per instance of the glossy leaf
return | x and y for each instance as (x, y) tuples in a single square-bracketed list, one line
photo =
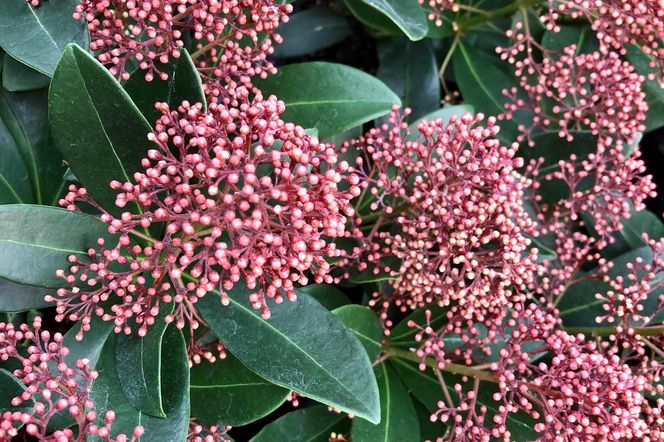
[(96, 126), (575, 34), (24, 241), (228, 392), (365, 324), (408, 15), (330, 97), (10, 387), (654, 92), (398, 420), (184, 83), (37, 36), (107, 393), (639, 223), (410, 70), (18, 297), (312, 424), (18, 77), (310, 31), (327, 295), (138, 361), (30, 168), (482, 83), (92, 342), (299, 348)]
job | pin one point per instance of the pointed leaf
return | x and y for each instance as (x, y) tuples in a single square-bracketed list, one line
[(365, 324), (313, 424), (398, 420), (107, 393), (408, 15), (228, 392), (330, 97), (37, 36), (96, 126), (24, 241), (297, 348), (184, 83)]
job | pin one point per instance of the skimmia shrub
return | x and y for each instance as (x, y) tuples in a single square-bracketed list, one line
[(353, 220)]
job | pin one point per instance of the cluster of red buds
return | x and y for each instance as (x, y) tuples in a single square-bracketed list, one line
[(453, 193), (242, 197), (618, 24), (51, 386)]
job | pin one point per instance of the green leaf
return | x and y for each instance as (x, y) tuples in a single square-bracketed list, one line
[(572, 34), (312, 424), (10, 387), (331, 97), (654, 92), (228, 392), (138, 361), (184, 83), (18, 77), (428, 430), (409, 69), (297, 348), (310, 31), (107, 393), (18, 298), (398, 420), (639, 223), (30, 168), (408, 15), (402, 334), (482, 83), (578, 305), (328, 296), (92, 343), (96, 126), (37, 36), (365, 324), (24, 241)]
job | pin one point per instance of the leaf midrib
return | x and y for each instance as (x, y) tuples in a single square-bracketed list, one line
[(56, 249)]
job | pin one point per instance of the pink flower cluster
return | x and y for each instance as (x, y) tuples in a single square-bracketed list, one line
[(438, 8), (243, 197), (199, 433), (153, 32), (596, 91), (619, 24), (459, 220), (51, 387)]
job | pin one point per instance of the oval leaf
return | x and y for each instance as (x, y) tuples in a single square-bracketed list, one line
[(328, 296), (408, 15), (313, 424), (365, 324), (107, 393), (37, 36), (184, 83), (228, 392), (330, 97), (24, 241), (18, 77), (398, 420), (297, 348), (310, 31), (85, 102)]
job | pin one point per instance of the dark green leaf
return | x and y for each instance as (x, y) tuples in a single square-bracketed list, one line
[(24, 241), (482, 83), (428, 430), (573, 34), (398, 420), (37, 36), (138, 361), (97, 128), (403, 334), (30, 165), (408, 15), (640, 223), (10, 387), (654, 92), (313, 424), (184, 83), (409, 69), (18, 77), (310, 31), (107, 393), (17, 297), (328, 296), (228, 392), (331, 97), (299, 349), (365, 324)]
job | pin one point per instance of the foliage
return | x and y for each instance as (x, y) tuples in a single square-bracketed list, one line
[(366, 220)]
